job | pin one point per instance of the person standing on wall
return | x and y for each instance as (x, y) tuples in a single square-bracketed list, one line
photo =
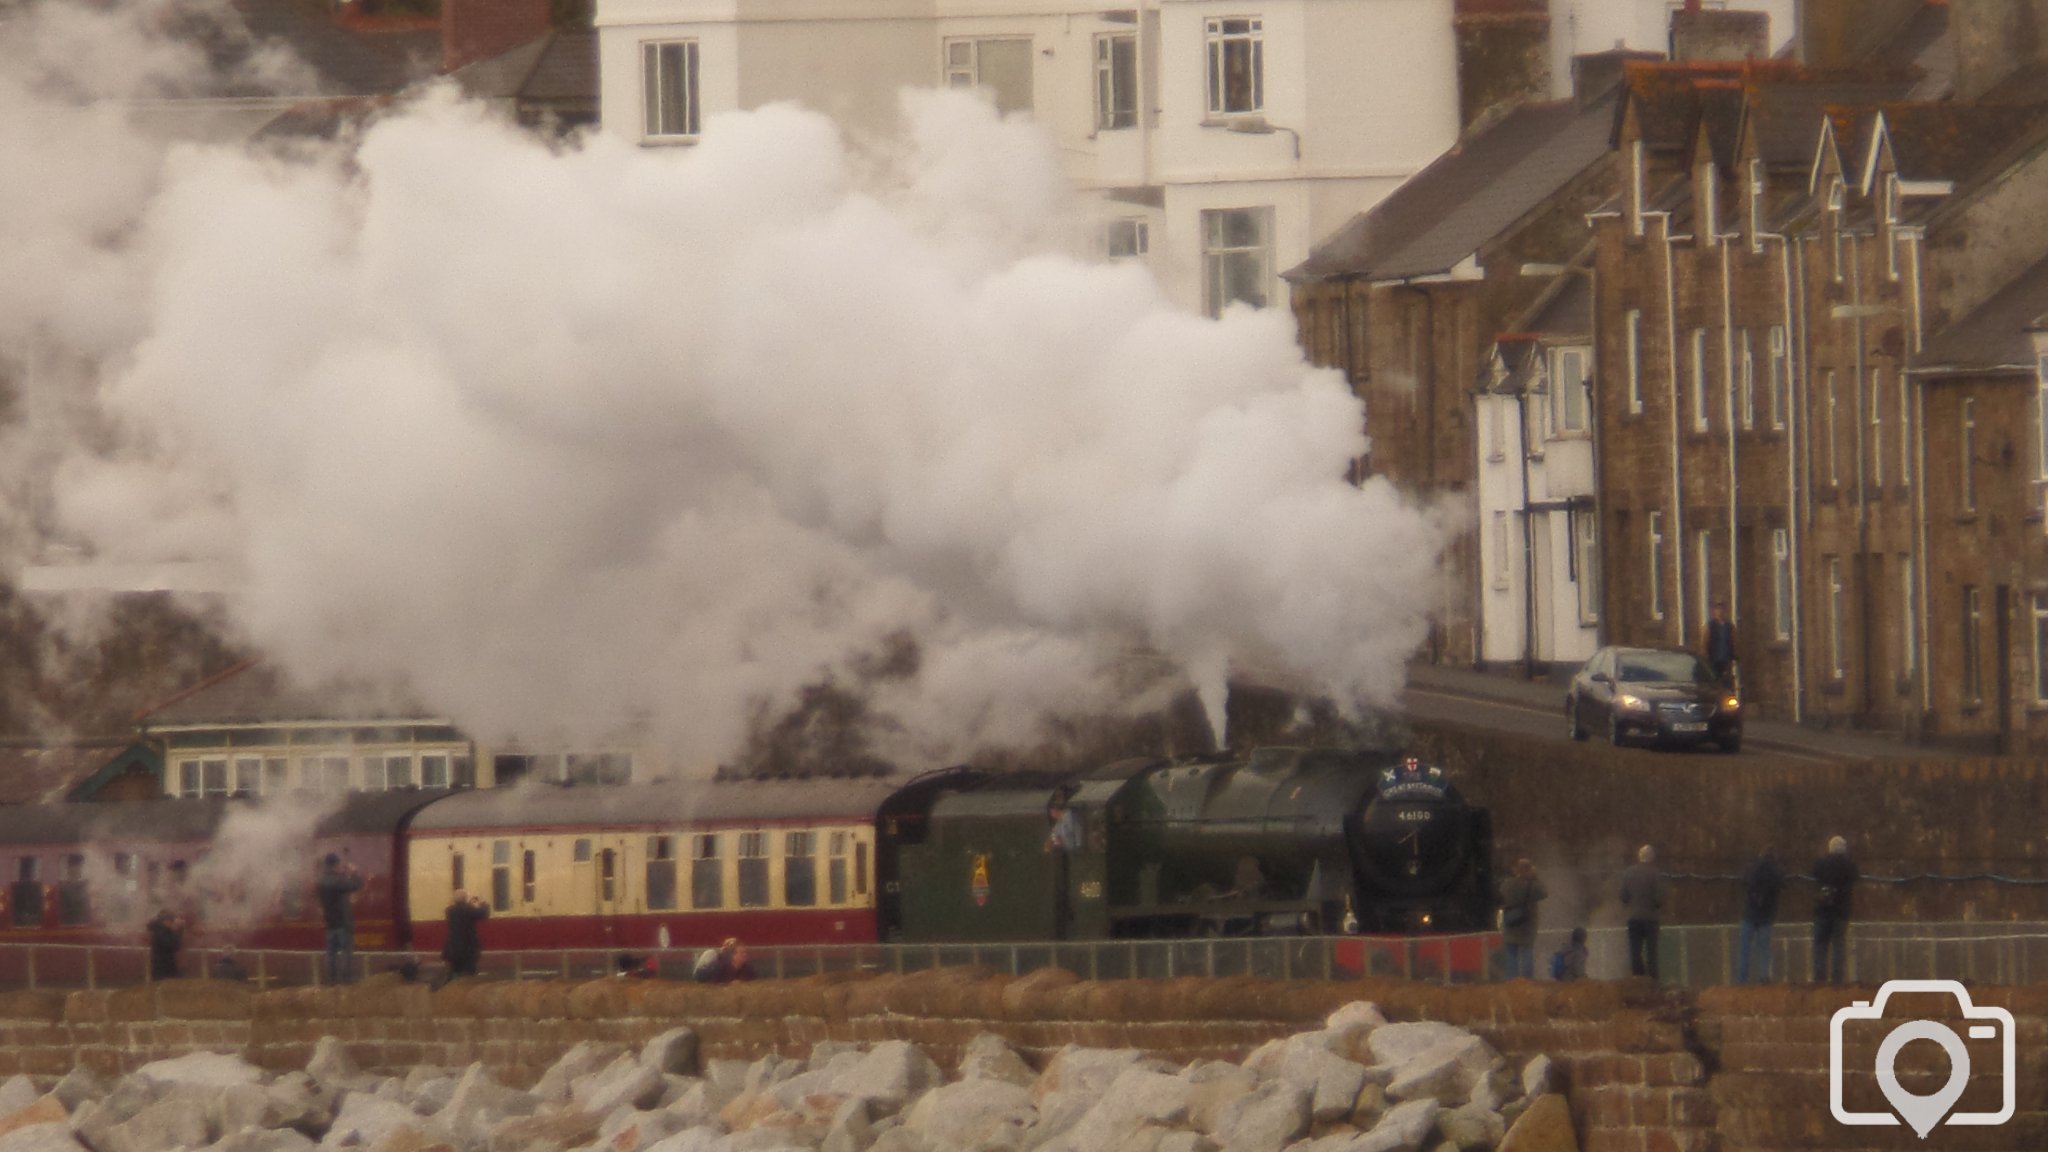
[(1835, 876), (166, 938), (1717, 644), (464, 947), (1760, 888), (1519, 895), (337, 886), (1642, 899)]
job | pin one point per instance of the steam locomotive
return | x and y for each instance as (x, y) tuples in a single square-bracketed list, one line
[(1283, 840)]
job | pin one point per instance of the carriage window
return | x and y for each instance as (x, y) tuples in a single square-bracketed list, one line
[(72, 904), (29, 869), (274, 776), (707, 872), (608, 875), (455, 872), (501, 876), (661, 872), (583, 852), (753, 869), (124, 867), (836, 877), (248, 776), (327, 775), (799, 869), (27, 896), (860, 869), (213, 776), (526, 877)]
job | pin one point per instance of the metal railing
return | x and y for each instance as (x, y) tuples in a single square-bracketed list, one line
[(1694, 955)]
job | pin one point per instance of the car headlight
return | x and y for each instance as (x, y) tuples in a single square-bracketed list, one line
[(1628, 703), (1732, 704)]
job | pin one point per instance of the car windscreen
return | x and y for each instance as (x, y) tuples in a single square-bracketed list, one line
[(1678, 667)]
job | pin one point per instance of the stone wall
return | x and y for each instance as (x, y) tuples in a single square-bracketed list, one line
[(1709, 818), (1625, 1050)]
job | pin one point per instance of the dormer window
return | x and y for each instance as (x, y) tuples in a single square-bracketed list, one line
[(1891, 223), (1836, 193)]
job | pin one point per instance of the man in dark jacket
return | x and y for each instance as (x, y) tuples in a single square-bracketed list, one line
[(337, 886), (1717, 644), (464, 948), (1835, 876), (1519, 895), (1760, 888), (1642, 900), (166, 937)]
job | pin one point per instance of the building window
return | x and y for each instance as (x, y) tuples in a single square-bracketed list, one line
[(1891, 219), (1973, 618), (434, 770), (753, 869), (1237, 65), (661, 873), (1699, 379), (1748, 380), (1834, 437), (1775, 377), (1838, 194), (1756, 204), (1905, 429), (1568, 391), (2040, 604), (326, 775), (1836, 665), (2040, 415), (1237, 257), (1500, 551), (1495, 410), (1002, 66), (276, 776), (1877, 426), (1632, 357), (1656, 562), (799, 869), (669, 73), (598, 768), (1966, 457), (1116, 81), (387, 773), (707, 872), (248, 775), (1781, 583), (1586, 559), (1703, 560), (1635, 186), (1909, 630), (529, 875), (1126, 239), (1710, 201)]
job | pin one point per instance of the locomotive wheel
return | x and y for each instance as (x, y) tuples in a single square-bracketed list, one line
[(1571, 713)]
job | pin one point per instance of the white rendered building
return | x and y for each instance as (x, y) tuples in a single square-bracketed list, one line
[(1578, 27), (1221, 138)]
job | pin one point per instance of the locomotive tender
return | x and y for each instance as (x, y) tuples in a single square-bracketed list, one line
[(1284, 840)]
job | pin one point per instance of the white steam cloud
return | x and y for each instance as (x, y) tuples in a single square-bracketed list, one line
[(570, 438)]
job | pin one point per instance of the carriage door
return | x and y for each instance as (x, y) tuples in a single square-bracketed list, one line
[(609, 884)]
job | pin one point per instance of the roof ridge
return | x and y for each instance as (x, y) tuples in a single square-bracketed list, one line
[(194, 690)]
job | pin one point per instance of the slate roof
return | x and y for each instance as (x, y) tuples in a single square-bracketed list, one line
[(1996, 334), (252, 693), (1953, 141), (44, 773), (1785, 119), (1469, 195), (556, 73), (344, 60)]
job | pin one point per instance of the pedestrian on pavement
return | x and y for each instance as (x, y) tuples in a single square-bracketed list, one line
[(1570, 962), (1835, 876), (166, 938), (1519, 895), (1642, 899), (337, 886), (1760, 888), (1717, 643), (464, 947)]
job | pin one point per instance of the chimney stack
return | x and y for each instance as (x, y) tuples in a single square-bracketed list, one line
[(1699, 34)]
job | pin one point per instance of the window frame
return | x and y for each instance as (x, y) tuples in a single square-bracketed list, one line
[(1116, 69), (1219, 256), (1966, 429), (1586, 560), (1563, 390), (1632, 350), (1701, 418), (655, 74), (1218, 39), (1781, 583), (1655, 539)]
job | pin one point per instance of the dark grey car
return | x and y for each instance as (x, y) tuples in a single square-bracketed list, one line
[(1653, 695)]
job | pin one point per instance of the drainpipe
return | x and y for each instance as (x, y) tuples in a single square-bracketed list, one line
[(1728, 379), (1528, 541), (1862, 470), (1794, 272), (1677, 493)]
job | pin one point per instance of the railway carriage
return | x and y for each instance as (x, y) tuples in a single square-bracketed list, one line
[(643, 866)]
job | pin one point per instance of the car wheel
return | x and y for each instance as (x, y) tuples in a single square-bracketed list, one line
[(1571, 714), (1614, 735)]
